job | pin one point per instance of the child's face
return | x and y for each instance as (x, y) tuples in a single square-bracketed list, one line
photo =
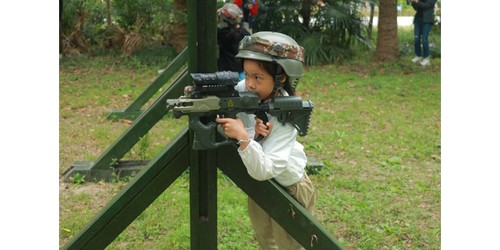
[(257, 79)]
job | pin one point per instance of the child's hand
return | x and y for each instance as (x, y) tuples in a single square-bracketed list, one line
[(233, 128), (261, 128)]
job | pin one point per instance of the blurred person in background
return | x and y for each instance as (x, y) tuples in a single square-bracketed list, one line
[(229, 35), (422, 22)]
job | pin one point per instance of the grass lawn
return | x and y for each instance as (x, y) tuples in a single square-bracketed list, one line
[(376, 127)]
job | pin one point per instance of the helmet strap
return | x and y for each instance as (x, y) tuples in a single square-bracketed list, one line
[(278, 77), (295, 82)]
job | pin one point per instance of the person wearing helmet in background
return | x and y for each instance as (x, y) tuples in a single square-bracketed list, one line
[(273, 64), (229, 34)]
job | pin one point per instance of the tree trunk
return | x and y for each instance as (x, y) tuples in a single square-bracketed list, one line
[(108, 10), (306, 12), (179, 31), (387, 37), (60, 30), (370, 23)]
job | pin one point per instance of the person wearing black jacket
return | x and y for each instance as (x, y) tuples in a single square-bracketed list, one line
[(423, 21), (229, 35)]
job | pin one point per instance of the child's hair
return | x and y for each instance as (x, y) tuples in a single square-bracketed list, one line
[(272, 68)]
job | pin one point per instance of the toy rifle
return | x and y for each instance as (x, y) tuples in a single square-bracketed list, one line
[(213, 95)]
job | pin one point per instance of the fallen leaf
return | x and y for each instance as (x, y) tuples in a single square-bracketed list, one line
[(436, 157)]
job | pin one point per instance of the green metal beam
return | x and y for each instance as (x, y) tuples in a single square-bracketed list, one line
[(103, 167), (202, 33), (134, 109), (203, 199), (162, 171), (283, 208), (158, 175)]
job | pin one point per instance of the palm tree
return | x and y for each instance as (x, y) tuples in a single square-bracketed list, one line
[(326, 29), (387, 43)]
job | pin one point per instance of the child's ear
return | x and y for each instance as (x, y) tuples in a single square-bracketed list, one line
[(283, 78)]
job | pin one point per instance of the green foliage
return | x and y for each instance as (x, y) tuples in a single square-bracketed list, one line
[(152, 12), (319, 51), (87, 17), (328, 35), (148, 18), (313, 170), (143, 145), (333, 34), (157, 56), (78, 179), (93, 12)]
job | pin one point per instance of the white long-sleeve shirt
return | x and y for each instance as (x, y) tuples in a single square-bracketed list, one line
[(278, 156)]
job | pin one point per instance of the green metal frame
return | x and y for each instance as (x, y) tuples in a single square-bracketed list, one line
[(202, 43), (179, 156), (134, 109), (107, 163), (163, 170), (159, 174)]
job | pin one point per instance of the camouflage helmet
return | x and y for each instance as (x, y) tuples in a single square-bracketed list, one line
[(274, 47), (229, 14)]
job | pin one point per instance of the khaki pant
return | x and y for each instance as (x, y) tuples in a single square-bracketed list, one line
[(269, 233)]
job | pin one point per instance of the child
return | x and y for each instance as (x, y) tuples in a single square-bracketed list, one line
[(273, 65), (229, 35)]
